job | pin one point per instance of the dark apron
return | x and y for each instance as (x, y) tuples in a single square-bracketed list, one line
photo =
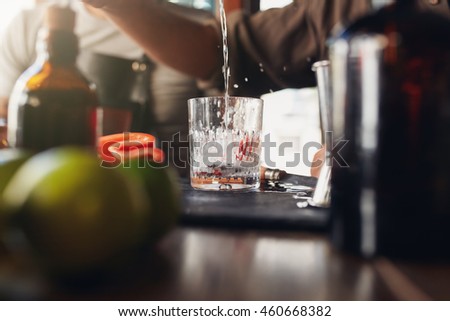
[(122, 88)]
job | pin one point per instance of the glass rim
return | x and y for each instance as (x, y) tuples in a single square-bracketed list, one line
[(204, 98)]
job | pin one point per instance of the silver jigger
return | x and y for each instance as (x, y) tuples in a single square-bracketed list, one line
[(321, 196)]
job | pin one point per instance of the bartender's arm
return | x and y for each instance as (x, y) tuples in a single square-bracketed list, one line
[(166, 35), (269, 50)]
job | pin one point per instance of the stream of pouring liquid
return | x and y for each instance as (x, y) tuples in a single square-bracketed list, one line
[(225, 68), (226, 72)]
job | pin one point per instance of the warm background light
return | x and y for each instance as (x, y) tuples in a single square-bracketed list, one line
[(8, 9)]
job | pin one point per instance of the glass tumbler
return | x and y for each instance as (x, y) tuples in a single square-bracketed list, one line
[(225, 142)]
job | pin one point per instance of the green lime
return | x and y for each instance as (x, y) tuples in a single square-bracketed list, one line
[(76, 215), (10, 162), (162, 188)]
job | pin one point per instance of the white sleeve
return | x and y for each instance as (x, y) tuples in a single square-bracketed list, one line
[(17, 49)]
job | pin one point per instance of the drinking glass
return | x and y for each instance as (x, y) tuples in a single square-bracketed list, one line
[(225, 142)]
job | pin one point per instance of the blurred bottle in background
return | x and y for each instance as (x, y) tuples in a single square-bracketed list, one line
[(52, 104), (391, 101)]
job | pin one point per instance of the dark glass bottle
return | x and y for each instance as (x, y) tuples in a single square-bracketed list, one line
[(393, 198), (52, 104)]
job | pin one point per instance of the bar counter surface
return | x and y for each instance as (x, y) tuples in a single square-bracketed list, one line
[(207, 262)]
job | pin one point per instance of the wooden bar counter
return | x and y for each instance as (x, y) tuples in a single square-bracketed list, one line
[(195, 263), (252, 246)]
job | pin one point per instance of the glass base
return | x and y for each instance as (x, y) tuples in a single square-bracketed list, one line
[(224, 184)]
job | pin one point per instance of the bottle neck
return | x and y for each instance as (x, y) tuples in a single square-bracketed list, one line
[(57, 47)]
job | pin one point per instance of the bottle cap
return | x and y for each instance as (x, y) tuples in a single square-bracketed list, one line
[(60, 18)]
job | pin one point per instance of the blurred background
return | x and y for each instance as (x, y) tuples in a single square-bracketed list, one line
[(293, 114), (8, 9)]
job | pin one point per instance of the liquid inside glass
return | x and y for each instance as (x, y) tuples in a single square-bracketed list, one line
[(225, 159)]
